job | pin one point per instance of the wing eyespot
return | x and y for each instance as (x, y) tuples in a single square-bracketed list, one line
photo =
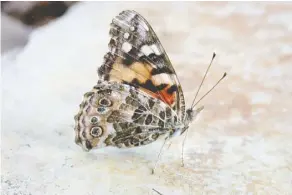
[(105, 102), (94, 120), (96, 131)]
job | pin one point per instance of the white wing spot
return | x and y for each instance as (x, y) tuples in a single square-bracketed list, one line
[(132, 28), (126, 35), (126, 47), (149, 49), (162, 78), (146, 50), (155, 49)]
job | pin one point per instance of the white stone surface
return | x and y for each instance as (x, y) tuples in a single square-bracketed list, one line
[(241, 143)]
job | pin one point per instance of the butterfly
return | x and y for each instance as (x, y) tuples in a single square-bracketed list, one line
[(138, 98)]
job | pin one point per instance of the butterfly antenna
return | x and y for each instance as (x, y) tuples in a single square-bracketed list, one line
[(214, 55), (224, 75)]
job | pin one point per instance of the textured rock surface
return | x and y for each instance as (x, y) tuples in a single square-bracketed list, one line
[(241, 143)]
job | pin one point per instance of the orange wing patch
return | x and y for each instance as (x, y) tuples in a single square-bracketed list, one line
[(166, 95), (137, 70), (139, 74)]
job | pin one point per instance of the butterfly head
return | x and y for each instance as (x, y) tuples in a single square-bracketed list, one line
[(191, 115)]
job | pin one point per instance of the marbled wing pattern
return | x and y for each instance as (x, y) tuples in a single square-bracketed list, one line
[(116, 114), (137, 58)]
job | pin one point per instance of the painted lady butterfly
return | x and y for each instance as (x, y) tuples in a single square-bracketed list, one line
[(138, 98)]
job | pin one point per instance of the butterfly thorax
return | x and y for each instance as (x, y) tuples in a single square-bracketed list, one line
[(190, 116)]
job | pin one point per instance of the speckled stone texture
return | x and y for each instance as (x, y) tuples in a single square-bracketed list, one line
[(241, 143)]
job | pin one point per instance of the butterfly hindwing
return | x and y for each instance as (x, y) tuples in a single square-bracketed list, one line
[(137, 58), (115, 114)]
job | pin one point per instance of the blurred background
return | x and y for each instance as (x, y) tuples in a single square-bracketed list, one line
[(19, 18), (241, 143)]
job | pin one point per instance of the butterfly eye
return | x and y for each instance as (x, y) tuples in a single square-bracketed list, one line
[(105, 102), (96, 131), (94, 120)]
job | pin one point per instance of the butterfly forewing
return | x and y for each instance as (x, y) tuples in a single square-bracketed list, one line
[(137, 58)]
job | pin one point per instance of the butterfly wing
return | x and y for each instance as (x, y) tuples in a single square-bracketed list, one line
[(116, 114), (137, 58)]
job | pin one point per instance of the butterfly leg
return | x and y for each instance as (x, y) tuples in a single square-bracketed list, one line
[(158, 158), (193, 115), (183, 146), (169, 145), (156, 191)]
